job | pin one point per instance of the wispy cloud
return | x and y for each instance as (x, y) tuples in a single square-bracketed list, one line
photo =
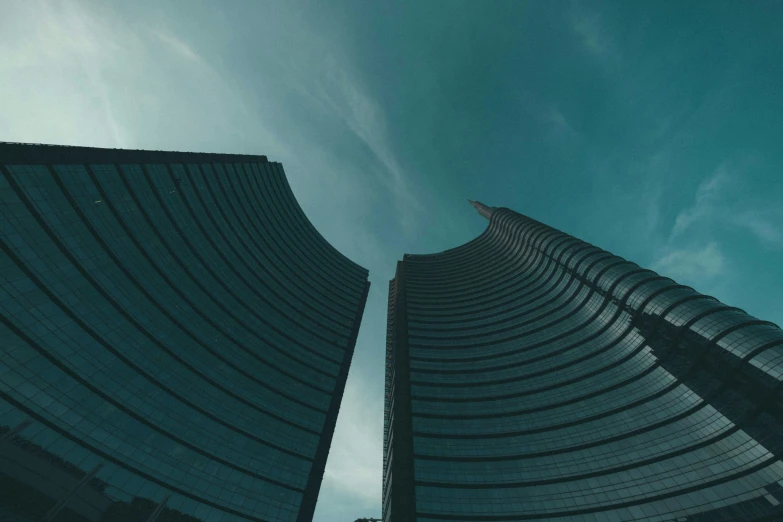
[(706, 201), (592, 34), (693, 251), (176, 45), (718, 202), (697, 264), (591, 29), (354, 457), (559, 126), (48, 47), (340, 92), (690, 256), (763, 228)]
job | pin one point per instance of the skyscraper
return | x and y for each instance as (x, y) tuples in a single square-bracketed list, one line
[(533, 376), (175, 338)]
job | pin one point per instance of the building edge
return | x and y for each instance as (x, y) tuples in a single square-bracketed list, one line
[(38, 154), (314, 480), (399, 496)]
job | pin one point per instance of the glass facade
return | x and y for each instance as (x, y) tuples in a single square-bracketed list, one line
[(176, 337), (533, 376)]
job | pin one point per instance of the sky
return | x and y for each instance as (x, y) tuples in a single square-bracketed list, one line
[(651, 129)]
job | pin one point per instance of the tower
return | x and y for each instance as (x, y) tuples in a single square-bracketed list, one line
[(175, 338), (533, 376)]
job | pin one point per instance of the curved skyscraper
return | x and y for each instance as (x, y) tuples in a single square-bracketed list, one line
[(175, 338), (533, 376)]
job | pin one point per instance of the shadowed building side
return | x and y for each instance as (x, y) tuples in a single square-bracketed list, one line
[(176, 337), (537, 377)]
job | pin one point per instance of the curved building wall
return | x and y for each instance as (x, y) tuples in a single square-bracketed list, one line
[(533, 376), (175, 336)]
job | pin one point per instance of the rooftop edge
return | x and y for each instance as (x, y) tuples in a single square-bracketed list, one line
[(39, 153)]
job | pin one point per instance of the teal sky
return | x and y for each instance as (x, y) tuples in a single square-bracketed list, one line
[(651, 129)]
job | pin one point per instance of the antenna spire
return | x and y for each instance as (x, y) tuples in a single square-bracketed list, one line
[(482, 208)]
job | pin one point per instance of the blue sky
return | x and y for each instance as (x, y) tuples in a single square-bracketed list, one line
[(652, 130)]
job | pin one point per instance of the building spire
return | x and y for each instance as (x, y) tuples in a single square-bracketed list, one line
[(482, 208)]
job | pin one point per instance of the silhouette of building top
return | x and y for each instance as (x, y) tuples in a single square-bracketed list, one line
[(36, 154)]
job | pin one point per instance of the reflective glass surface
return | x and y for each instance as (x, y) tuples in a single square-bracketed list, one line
[(175, 335), (532, 376)]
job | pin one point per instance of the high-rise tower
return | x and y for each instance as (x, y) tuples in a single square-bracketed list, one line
[(175, 338), (533, 376)]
